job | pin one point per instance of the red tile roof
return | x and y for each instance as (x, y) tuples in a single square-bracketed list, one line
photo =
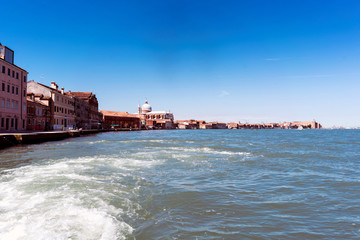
[(80, 94), (118, 114)]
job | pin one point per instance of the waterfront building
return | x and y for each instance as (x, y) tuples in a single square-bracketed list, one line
[(101, 120), (189, 124), (120, 120), (12, 93), (218, 125), (93, 107), (300, 124), (62, 107), (283, 125), (311, 125), (81, 108), (206, 126), (38, 112), (232, 125), (155, 119), (182, 125)]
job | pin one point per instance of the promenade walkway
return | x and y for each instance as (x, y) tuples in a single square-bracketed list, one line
[(12, 139)]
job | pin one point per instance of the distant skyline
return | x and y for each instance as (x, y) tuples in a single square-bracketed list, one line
[(248, 61)]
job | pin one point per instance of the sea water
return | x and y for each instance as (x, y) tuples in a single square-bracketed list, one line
[(184, 184)]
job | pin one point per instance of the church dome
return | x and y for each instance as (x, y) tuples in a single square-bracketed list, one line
[(146, 107)]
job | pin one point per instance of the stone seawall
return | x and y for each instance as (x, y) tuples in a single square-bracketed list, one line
[(12, 139)]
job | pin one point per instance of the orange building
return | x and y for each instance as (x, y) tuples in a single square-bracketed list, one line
[(120, 120), (13, 80)]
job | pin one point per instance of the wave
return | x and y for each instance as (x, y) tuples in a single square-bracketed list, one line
[(66, 200), (206, 150)]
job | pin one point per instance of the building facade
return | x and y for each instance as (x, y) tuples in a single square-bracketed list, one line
[(120, 120), (155, 119), (92, 106), (81, 113), (13, 82), (38, 112), (62, 107)]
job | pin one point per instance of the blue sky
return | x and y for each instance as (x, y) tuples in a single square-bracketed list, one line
[(248, 61)]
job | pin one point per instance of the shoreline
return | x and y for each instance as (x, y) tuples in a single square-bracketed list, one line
[(14, 139)]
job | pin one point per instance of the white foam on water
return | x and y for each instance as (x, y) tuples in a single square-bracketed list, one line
[(129, 164), (99, 141), (207, 150), (59, 201), (153, 141)]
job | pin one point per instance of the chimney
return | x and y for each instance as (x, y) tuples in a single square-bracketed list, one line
[(54, 85), (62, 91)]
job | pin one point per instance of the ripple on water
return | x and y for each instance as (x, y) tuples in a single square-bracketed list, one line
[(62, 200), (218, 184)]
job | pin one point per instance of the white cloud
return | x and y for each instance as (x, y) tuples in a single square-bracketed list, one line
[(224, 93)]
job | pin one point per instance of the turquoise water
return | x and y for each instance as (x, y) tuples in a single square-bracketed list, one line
[(184, 184)]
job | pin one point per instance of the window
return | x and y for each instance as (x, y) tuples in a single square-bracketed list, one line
[(12, 105), (8, 88), (13, 73), (24, 93), (17, 75), (8, 104), (12, 122), (13, 90), (3, 69), (3, 87), (3, 103), (9, 71), (24, 78), (24, 107), (17, 91), (2, 122)]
